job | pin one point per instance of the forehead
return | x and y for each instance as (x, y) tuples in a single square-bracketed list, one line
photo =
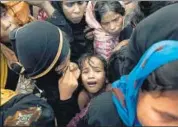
[(109, 16), (71, 2), (93, 61)]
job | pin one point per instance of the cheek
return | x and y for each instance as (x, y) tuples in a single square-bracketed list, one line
[(120, 23), (101, 78), (4, 33), (67, 11), (84, 78), (83, 9)]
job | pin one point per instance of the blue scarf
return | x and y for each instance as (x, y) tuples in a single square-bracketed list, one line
[(126, 90)]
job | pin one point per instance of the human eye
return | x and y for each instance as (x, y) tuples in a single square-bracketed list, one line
[(69, 4), (85, 71), (81, 2), (98, 70), (169, 117), (116, 19)]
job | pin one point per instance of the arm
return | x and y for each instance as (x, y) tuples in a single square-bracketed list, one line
[(55, 17)]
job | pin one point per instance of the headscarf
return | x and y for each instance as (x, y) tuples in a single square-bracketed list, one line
[(39, 45), (3, 70), (19, 10), (161, 25), (104, 42), (126, 90)]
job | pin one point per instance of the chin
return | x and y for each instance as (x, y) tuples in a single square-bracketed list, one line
[(75, 21), (93, 91)]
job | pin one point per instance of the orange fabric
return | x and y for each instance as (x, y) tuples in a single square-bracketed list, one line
[(20, 10)]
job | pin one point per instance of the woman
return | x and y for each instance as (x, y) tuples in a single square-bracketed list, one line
[(44, 53), (107, 20), (74, 13)]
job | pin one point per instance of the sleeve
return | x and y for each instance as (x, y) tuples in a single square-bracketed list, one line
[(133, 53), (101, 112), (65, 110)]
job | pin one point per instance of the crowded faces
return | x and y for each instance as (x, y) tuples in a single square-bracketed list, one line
[(93, 75)]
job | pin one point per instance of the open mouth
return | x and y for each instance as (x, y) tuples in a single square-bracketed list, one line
[(92, 84)]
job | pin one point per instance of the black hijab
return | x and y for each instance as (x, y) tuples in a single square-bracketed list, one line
[(161, 25), (39, 46)]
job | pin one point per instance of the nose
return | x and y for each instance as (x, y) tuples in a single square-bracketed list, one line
[(112, 26), (76, 8), (91, 75)]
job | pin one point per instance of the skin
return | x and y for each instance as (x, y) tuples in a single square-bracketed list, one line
[(112, 22), (93, 77), (8, 24), (158, 109), (74, 11)]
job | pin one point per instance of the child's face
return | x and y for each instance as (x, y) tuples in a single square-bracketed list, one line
[(156, 109), (93, 75), (112, 22)]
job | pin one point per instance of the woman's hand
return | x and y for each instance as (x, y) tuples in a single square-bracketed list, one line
[(89, 33), (68, 83), (45, 5), (37, 3), (120, 44)]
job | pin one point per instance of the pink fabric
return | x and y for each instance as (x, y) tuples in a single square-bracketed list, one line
[(42, 15), (78, 117), (104, 43)]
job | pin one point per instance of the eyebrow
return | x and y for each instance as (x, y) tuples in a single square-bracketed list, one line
[(166, 113)]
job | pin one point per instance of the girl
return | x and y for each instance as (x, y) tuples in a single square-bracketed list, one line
[(106, 17), (93, 77)]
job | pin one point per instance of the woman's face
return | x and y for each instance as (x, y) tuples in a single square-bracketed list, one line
[(112, 22), (8, 24), (155, 109), (74, 11), (60, 69), (93, 75)]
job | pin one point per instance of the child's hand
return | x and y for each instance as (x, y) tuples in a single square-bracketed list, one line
[(68, 83)]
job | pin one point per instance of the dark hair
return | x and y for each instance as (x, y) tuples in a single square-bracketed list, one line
[(88, 57), (102, 7), (146, 8), (116, 64), (163, 78)]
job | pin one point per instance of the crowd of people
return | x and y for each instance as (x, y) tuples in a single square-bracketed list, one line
[(89, 63)]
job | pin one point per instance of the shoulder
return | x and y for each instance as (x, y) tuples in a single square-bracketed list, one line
[(126, 33), (83, 99), (102, 111)]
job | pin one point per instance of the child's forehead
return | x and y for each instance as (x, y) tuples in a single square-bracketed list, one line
[(93, 61)]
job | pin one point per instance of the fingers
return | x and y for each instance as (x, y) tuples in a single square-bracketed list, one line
[(90, 35)]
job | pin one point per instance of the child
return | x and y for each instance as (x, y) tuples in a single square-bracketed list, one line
[(93, 77), (107, 19)]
